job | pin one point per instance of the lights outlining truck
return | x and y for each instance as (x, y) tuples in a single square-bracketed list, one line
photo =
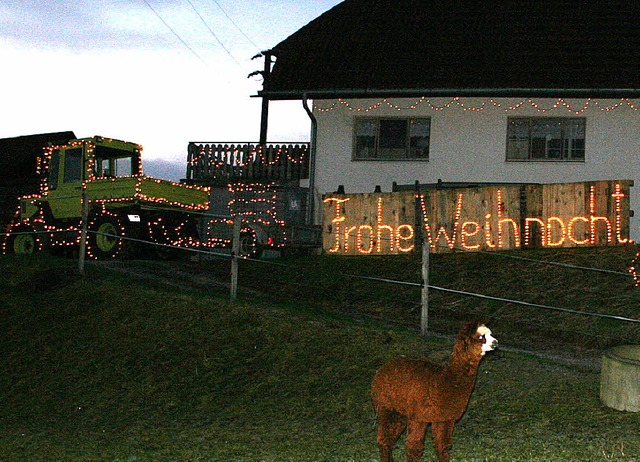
[(130, 213), (122, 202)]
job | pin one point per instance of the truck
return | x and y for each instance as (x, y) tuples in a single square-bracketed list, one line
[(97, 183)]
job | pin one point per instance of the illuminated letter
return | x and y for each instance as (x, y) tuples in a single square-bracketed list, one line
[(618, 195), (336, 221), (359, 239), (442, 231), (408, 237), (501, 221), (595, 219), (487, 232), (594, 230), (464, 234), (572, 233), (563, 233), (425, 222), (527, 230), (382, 227), (347, 232)]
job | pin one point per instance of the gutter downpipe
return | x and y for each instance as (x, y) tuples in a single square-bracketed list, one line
[(312, 162)]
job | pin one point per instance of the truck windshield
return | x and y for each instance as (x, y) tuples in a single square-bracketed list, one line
[(111, 162)]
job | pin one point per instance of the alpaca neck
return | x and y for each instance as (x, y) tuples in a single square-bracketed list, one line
[(464, 362)]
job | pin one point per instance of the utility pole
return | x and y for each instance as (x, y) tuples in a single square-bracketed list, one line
[(264, 117)]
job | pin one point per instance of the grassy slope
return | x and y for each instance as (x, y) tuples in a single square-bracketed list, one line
[(490, 274), (107, 368)]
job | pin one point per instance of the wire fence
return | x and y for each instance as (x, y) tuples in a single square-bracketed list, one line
[(590, 307), (353, 286)]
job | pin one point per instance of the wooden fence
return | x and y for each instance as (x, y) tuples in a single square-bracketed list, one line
[(478, 218), (222, 163)]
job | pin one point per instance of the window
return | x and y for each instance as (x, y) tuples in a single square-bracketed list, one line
[(111, 162), (54, 169), (73, 165), (392, 139), (543, 138)]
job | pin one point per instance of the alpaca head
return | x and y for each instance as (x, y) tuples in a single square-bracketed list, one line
[(475, 335), (489, 342)]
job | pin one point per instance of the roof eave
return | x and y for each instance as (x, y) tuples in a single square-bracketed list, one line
[(451, 92)]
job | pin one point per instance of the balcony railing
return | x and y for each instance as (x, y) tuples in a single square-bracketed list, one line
[(210, 163)]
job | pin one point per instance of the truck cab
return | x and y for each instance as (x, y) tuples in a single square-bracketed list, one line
[(80, 161)]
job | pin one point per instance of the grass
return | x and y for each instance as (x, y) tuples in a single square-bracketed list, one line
[(495, 274), (113, 367)]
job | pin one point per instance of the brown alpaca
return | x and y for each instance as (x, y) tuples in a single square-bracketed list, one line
[(413, 393)]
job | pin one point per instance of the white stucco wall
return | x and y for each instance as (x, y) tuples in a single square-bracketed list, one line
[(470, 146)]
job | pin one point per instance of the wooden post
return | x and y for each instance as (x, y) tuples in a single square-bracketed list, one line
[(620, 378), (235, 251), (83, 232), (424, 315)]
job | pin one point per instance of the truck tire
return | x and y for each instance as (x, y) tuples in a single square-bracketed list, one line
[(249, 247), (169, 233), (104, 238), (23, 240)]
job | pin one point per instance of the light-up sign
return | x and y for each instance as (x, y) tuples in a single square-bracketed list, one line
[(483, 218)]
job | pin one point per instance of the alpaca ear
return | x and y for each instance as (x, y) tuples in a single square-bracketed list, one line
[(469, 330), (467, 333)]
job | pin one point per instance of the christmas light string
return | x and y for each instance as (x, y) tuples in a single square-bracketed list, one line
[(67, 235), (255, 202), (458, 102), (501, 232), (243, 156)]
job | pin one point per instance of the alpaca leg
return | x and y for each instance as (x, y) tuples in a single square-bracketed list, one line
[(415, 440), (442, 438), (390, 427)]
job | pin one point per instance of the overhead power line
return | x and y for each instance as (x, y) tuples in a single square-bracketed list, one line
[(236, 25), (213, 34), (174, 32)]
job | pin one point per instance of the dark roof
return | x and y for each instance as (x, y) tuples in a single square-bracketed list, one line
[(462, 47), (18, 156)]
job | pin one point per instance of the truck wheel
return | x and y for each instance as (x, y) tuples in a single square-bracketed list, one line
[(249, 246), (25, 241), (23, 244), (104, 238)]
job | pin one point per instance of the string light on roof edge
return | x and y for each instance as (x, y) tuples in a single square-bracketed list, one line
[(459, 103)]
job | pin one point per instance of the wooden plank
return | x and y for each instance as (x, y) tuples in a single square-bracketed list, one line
[(382, 223), (482, 218)]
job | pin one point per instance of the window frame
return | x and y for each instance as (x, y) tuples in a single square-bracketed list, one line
[(73, 162), (115, 163), (377, 148), (54, 169), (564, 157)]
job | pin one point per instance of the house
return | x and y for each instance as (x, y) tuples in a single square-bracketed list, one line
[(464, 91)]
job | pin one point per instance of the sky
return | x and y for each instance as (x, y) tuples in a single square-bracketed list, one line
[(159, 73)]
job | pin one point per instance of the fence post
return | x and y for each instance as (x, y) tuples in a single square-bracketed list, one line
[(83, 232), (424, 315), (235, 251)]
